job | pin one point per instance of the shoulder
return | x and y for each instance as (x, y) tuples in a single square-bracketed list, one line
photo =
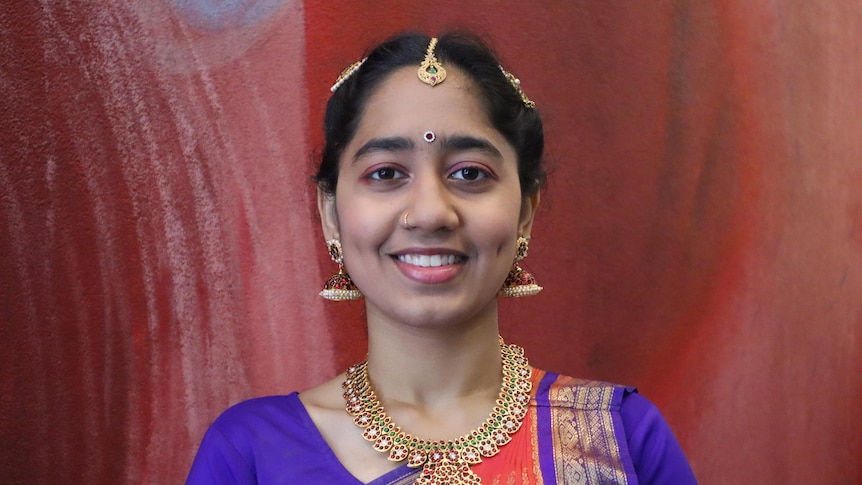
[(655, 451), (245, 438), (557, 390), (260, 413), (567, 391), (640, 430)]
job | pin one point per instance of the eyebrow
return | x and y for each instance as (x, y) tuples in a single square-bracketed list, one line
[(452, 143), (389, 144), (463, 142)]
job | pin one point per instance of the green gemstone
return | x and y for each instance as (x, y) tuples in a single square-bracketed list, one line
[(432, 70)]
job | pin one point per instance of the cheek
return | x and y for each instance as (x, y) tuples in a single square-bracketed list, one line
[(497, 228), (348, 210), (362, 225)]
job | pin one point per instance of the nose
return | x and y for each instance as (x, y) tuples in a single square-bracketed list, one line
[(431, 204)]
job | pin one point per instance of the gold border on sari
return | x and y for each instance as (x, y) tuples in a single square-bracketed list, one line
[(585, 445)]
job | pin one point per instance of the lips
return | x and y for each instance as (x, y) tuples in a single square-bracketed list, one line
[(429, 260), (429, 266)]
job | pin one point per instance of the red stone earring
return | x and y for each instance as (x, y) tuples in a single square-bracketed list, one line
[(339, 287), (520, 282)]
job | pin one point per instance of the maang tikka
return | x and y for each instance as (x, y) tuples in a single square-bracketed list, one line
[(431, 72), (339, 287), (520, 282)]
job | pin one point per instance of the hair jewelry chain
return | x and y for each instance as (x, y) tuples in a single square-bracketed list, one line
[(432, 72), (443, 461), (346, 73), (516, 83)]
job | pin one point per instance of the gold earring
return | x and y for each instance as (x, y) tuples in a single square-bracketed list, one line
[(339, 287), (520, 282)]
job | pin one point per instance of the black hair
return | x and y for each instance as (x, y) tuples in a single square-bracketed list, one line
[(519, 124)]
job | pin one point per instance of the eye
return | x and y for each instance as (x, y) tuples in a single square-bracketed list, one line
[(385, 173), (471, 173)]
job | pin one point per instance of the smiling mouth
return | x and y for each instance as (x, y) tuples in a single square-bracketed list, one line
[(429, 261)]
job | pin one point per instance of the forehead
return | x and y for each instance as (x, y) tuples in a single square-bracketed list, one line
[(403, 105)]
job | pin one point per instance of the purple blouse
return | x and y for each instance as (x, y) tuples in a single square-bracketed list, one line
[(273, 440)]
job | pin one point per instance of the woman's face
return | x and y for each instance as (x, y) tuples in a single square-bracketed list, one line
[(460, 191)]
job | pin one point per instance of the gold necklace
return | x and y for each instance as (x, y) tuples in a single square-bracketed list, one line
[(443, 461)]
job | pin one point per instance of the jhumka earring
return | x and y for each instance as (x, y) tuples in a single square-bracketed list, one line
[(339, 287), (520, 282)]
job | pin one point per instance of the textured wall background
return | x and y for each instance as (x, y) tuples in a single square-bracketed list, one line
[(160, 252)]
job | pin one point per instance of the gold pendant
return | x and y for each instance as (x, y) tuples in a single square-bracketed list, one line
[(446, 472)]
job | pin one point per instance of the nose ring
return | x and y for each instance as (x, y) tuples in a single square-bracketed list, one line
[(404, 222)]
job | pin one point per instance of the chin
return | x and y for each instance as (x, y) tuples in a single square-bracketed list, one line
[(439, 312)]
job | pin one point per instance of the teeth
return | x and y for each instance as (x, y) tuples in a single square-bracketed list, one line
[(427, 261)]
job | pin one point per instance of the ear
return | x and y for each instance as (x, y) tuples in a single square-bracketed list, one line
[(529, 205), (328, 215)]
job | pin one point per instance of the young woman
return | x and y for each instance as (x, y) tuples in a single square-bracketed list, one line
[(428, 186)]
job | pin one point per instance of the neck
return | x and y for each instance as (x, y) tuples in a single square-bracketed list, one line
[(436, 366)]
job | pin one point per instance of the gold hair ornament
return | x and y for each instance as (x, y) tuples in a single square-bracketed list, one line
[(345, 74), (431, 72), (516, 83)]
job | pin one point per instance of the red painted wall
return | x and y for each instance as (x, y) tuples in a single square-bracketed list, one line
[(160, 253)]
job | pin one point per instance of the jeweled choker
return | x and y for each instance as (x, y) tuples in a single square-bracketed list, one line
[(443, 461)]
